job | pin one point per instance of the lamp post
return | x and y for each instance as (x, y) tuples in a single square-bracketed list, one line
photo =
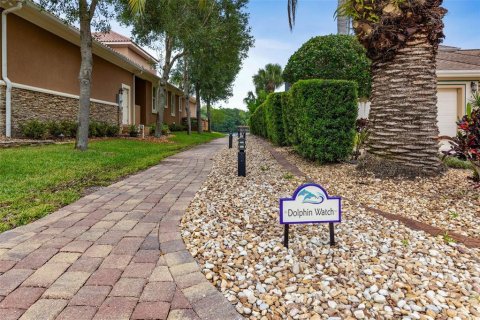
[(242, 158)]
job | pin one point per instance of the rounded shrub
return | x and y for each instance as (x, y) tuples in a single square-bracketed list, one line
[(337, 57)]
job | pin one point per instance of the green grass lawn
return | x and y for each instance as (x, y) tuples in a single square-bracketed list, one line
[(35, 181)]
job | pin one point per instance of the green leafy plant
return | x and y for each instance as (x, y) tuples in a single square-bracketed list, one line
[(176, 127), (55, 128), (165, 129), (361, 137), (336, 57), (264, 168), (288, 176), (34, 129), (447, 238), (112, 130), (69, 128), (466, 145), (457, 163), (405, 242), (133, 131), (453, 214)]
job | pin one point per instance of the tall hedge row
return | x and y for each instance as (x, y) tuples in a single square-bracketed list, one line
[(258, 122), (274, 118), (317, 119)]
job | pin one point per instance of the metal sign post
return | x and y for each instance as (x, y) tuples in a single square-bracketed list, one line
[(230, 140), (310, 204), (242, 158)]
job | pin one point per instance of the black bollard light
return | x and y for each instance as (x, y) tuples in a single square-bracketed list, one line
[(230, 140), (242, 158)]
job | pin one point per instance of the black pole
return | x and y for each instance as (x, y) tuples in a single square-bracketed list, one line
[(285, 236), (242, 164), (230, 140), (332, 233)]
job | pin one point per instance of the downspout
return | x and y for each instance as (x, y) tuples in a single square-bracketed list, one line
[(8, 93)]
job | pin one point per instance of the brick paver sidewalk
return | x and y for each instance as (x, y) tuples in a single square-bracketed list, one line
[(114, 254)]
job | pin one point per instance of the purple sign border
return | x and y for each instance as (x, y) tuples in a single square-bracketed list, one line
[(295, 196)]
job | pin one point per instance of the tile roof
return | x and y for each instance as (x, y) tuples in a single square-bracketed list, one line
[(110, 36), (452, 58)]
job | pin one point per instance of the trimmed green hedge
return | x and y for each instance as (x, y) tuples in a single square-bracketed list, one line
[(317, 117), (326, 112), (274, 118), (258, 122), (288, 116)]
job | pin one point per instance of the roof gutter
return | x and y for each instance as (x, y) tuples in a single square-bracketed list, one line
[(8, 94)]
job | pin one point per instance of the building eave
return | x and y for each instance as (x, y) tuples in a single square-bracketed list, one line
[(458, 73)]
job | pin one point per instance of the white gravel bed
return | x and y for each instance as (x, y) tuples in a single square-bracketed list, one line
[(448, 202), (379, 269)]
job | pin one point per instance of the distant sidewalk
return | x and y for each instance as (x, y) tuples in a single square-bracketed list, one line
[(114, 254)]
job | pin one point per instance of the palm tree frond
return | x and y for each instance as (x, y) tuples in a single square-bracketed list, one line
[(292, 9), (137, 6)]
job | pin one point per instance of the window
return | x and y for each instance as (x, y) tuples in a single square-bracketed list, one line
[(172, 104), (154, 100), (180, 103), (166, 99)]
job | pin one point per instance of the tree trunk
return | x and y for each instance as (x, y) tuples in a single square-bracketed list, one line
[(209, 115), (161, 94), (186, 92), (85, 78), (342, 21), (189, 117), (403, 113), (199, 110)]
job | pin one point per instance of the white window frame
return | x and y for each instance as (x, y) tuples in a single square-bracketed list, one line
[(166, 99), (154, 100), (172, 104), (180, 103)]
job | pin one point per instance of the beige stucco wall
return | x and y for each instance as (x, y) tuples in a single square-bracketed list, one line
[(133, 56), (41, 59)]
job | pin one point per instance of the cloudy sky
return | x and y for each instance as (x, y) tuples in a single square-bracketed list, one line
[(274, 42)]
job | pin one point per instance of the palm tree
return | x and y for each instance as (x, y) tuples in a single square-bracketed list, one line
[(401, 39), (268, 79), (343, 22)]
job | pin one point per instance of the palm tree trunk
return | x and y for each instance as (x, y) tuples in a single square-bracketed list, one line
[(404, 113), (342, 21)]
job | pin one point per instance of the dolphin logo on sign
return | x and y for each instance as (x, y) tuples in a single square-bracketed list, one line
[(310, 203), (310, 197)]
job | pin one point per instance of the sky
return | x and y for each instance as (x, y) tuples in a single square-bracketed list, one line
[(275, 43)]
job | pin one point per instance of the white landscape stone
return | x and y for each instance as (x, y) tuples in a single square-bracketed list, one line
[(378, 268)]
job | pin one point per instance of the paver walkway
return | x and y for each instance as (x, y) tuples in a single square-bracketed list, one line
[(114, 254)]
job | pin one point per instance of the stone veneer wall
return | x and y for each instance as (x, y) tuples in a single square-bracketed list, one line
[(28, 105)]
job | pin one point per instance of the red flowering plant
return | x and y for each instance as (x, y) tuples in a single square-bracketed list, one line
[(466, 145)]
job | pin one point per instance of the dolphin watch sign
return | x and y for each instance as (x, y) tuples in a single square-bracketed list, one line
[(310, 203)]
